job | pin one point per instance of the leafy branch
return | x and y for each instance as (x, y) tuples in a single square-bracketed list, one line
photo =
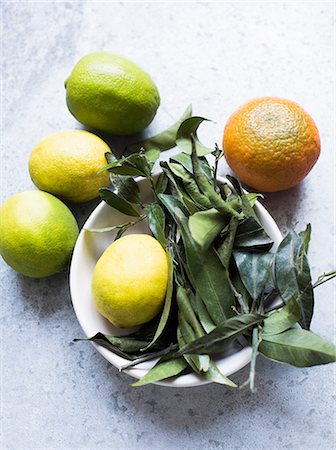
[(223, 276)]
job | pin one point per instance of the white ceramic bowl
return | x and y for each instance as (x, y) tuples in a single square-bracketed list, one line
[(89, 248)]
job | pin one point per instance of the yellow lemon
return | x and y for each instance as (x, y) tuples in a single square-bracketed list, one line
[(37, 233), (130, 280), (66, 163), (110, 93)]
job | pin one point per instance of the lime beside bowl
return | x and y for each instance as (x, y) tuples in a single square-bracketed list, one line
[(110, 93)]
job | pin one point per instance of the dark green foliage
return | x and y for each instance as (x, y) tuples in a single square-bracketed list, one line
[(222, 274)]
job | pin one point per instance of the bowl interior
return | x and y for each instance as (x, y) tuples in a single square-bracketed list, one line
[(89, 248)]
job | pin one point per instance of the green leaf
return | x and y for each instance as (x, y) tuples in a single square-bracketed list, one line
[(205, 226), (126, 187), (152, 155), (156, 222), (137, 164), (127, 347), (209, 277), (133, 165), (109, 156), (239, 290), (227, 193), (118, 202), (203, 315), (216, 339), (292, 276), (163, 370), (250, 234), (247, 209), (189, 329), (187, 312), (127, 169), (190, 185), (224, 251), (162, 141), (162, 353), (305, 236), (199, 363), (253, 198), (177, 188), (119, 234), (189, 359), (191, 206), (161, 183), (141, 163), (300, 348), (185, 161), (167, 305), (254, 270), (102, 340), (282, 319), (113, 162), (127, 344), (215, 375), (188, 127), (216, 201)]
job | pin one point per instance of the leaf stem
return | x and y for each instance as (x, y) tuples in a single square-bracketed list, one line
[(239, 298), (324, 278), (255, 344), (218, 154), (116, 227)]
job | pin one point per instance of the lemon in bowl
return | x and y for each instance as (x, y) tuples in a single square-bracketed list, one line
[(129, 281)]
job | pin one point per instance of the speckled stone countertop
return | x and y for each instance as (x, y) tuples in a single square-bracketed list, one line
[(61, 395)]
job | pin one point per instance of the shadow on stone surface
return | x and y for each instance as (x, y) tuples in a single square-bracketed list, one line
[(118, 143), (82, 211), (45, 296), (178, 408), (284, 205)]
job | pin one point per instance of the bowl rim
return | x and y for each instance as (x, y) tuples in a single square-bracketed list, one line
[(236, 361)]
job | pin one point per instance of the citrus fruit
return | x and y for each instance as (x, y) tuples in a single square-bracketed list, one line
[(271, 143), (130, 280), (37, 233), (110, 93), (66, 165)]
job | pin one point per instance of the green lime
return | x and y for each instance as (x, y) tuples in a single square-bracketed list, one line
[(37, 233), (66, 164), (130, 279), (110, 93)]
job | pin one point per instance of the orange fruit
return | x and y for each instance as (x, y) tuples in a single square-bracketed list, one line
[(271, 143)]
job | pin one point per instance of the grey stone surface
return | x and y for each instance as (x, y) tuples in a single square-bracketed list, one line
[(60, 395)]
